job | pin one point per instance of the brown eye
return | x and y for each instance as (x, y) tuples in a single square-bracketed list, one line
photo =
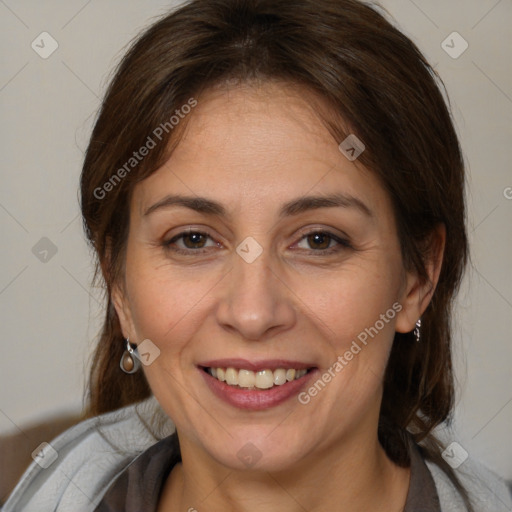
[(323, 242), (189, 242), (319, 240), (194, 240)]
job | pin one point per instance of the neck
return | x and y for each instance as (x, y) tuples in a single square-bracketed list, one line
[(352, 477)]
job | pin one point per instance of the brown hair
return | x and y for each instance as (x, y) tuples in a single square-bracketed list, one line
[(369, 74)]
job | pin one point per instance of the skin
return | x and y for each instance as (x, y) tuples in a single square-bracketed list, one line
[(252, 149)]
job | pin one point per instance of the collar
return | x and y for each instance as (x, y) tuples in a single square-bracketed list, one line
[(139, 486)]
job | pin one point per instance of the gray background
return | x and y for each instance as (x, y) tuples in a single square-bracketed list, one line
[(49, 314)]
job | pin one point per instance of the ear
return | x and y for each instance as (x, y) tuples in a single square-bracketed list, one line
[(122, 306), (118, 296), (417, 292)]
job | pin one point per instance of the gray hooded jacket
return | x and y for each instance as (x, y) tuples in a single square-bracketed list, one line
[(76, 469)]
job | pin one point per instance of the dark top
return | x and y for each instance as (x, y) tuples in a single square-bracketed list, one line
[(138, 487)]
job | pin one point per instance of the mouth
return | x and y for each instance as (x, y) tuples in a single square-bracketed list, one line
[(242, 378), (256, 386)]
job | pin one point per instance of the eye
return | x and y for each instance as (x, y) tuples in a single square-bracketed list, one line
[(323, 242), (191, 242)]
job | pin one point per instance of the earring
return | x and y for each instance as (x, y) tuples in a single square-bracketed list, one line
[(129, 363), (417, 330)]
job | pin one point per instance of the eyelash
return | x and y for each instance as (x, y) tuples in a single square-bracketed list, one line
[(342, 243)]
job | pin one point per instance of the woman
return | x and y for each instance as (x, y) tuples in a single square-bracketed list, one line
[(275, 194)]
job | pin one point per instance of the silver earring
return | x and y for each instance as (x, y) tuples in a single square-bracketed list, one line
[(129, 363), (417, 330)]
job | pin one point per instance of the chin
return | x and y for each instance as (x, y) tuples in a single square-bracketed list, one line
[(257, 452)]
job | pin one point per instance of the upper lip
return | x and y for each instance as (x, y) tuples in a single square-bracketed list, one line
[(255, 366)]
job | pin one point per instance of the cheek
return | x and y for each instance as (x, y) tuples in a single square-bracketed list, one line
[(166, 308), (356, 316), (166, 304), (354, 310), (352, 300)]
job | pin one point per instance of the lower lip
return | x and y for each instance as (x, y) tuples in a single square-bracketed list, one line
[(252, 399)]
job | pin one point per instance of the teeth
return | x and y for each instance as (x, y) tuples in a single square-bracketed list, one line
[(279, 377), (231, 376), (263, 379), (246, 379)]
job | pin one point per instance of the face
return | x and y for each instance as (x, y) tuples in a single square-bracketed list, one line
[(248, 273)]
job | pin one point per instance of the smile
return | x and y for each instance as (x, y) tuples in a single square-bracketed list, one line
[(256, 385), (263, 379)]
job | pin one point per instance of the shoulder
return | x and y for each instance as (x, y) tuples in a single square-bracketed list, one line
[(76, 468), (487, 491)]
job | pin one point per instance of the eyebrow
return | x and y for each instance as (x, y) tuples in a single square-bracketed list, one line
[(294, 207)]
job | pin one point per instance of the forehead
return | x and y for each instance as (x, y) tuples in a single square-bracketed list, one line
[(263, 143), (266, 117)]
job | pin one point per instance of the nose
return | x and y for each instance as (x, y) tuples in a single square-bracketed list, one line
[(255, 299)]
